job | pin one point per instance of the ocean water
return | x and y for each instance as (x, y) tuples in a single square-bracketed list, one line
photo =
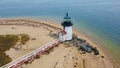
[(98, 19)]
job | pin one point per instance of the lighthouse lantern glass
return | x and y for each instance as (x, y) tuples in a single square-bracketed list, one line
[(67, 20)]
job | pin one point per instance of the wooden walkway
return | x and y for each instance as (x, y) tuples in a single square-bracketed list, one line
[(39, 51)]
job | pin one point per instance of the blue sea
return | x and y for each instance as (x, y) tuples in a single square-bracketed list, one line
[(98, 19)]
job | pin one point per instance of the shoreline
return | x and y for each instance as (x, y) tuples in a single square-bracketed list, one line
[(97, 44), (99, 47), (79, 34), (90, 40)]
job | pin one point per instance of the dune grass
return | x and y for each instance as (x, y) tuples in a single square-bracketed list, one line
[(9, 41)]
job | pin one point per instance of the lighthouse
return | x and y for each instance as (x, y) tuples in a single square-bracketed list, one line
[(66, 33)]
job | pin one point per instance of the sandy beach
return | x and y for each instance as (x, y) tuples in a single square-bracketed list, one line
[(39, 33), (62, 56)]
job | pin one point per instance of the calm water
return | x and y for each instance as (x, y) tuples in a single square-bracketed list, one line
[(99, 19)]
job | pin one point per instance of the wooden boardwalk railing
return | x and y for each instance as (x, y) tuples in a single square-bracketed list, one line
[(39, 51)]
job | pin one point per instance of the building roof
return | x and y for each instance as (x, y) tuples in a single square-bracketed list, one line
[(63, 32), (67, 21), (67, 17)]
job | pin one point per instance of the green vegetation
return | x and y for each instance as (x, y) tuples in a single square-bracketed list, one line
[(24, 38), (8, 41), (4, 59)]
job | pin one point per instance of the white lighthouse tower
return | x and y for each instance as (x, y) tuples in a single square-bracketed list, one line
[(66, 33)]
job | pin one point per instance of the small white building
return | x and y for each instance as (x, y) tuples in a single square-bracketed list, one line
[(62, 35), (66, 33)]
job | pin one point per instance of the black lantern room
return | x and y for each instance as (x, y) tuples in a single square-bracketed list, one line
[(67, 21)]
